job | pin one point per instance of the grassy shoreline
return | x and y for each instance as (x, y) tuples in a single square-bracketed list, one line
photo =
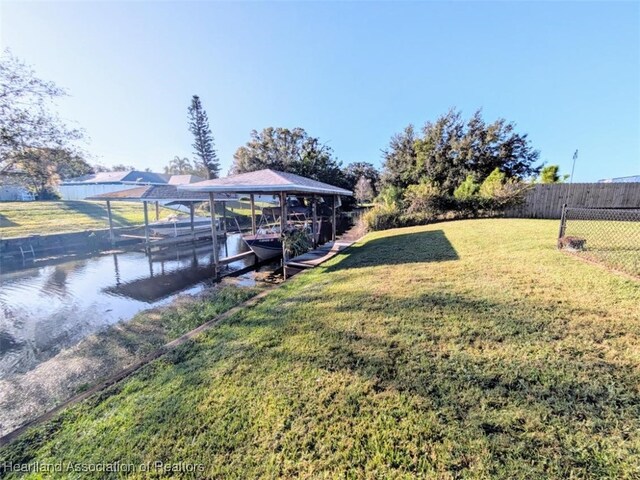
[(463, 349), (18, 219), (25, 396)]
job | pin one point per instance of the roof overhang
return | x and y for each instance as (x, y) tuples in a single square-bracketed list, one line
[(293, 189), (150, 193)]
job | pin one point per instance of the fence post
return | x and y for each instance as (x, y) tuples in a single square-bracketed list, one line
[(563, 221)]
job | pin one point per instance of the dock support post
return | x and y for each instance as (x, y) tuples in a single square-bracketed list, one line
[(112, 238), (333, 219), (146, 223), (253, 214), (224, 218), (214, 232), (283, 226), (157, 210), (314, 219), (283, 211), (193, 234)]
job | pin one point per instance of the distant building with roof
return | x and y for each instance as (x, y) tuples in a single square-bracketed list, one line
[(184, 179), (630, 179), (90, 185)]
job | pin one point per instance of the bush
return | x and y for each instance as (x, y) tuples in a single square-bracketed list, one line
[(467, 189), (47, 193), (382, 217), (422, 198), (423, 203), (390, 196), (296, 242), (492, 185)]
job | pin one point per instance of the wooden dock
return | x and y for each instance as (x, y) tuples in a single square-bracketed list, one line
[(315, 257)]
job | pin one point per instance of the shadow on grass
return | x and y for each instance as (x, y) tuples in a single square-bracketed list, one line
[(5, 222), (441, 348), (99, 211), (418, 247)]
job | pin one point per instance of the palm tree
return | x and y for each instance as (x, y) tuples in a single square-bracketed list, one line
[(179, 166)]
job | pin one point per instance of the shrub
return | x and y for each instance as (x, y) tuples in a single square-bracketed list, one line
[(467, 189), (422, 198), (390, 196), (296, 242), (382, 217), (492, 185), (498, 192)]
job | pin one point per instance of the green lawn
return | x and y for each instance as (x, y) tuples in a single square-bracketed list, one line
[(615, 244), (27, 218), (468, 349)]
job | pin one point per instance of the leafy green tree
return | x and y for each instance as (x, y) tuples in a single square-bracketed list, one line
[(71, 165), (40, 170), (203, 144), (437, 155), (26, 119), (467, 189), (400, 159), (289, 150), (449, 149), (551, 174)]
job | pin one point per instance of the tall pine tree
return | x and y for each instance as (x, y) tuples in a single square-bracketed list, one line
[(203, 145)]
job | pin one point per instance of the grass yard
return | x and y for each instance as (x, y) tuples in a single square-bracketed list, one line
[(18, 219), (468, 349), (26, 395), (615, 244)]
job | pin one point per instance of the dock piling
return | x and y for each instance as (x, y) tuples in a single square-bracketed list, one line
[(333, 218), (314, 220), (146, 223), (214, 232), (253, 214), (112, 237)]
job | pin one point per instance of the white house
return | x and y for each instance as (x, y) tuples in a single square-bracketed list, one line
[(105, 182)]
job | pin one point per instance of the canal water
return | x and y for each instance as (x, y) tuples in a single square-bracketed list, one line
[(44, 309)]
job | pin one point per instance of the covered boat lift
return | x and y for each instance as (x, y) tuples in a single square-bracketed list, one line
[(269, 182), (165, 194)]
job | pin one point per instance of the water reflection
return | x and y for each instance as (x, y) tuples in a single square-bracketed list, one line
[(47, 308)]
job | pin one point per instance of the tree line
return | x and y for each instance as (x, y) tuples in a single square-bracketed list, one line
[(449, 157)]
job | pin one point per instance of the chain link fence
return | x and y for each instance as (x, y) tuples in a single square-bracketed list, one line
[(610, 236)]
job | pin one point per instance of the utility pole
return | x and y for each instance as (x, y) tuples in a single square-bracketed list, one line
[(573, 167)]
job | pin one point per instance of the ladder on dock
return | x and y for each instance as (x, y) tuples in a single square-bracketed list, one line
[(24, 252)]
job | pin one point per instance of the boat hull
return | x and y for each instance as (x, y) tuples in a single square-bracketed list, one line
[(265, 246)]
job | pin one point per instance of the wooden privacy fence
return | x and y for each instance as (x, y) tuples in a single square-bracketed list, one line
[(545, 201)]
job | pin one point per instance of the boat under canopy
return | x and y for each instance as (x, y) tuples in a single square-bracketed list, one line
[(268, 244)]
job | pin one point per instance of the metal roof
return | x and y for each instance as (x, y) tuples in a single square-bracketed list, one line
[(152, 193), (183, 179), (133, 177), (630, 179), (265, 181)]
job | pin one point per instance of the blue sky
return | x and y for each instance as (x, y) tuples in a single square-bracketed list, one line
[(352, 74)]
